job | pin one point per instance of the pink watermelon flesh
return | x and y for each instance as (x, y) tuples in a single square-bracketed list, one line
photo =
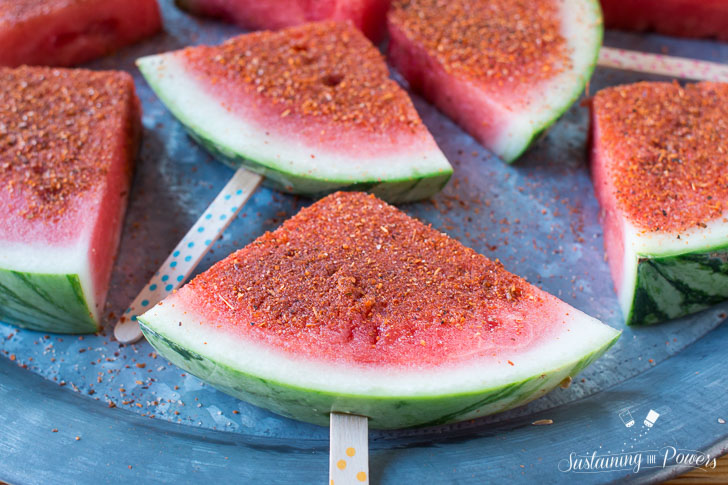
[(367, 15), (68, 140), (373, 333), (491, 66), (612, 222), (69, 32), (313, 111), (683, 18), (353, 279)]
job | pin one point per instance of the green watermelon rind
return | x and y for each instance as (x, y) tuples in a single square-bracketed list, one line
[(45, 302), (417, 185), (384, 412), (675, 284), (394, 190)]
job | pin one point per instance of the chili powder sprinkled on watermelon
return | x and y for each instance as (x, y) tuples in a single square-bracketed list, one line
[(55, 126), (667, 147), (352, 258), (326, 69), (502, 41)]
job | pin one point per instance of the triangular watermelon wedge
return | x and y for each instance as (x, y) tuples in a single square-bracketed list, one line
[(504, 70), (353, 306), (367, 15), (683, 18), (68, 139), (659, 163), (69, 32), (312, 108)]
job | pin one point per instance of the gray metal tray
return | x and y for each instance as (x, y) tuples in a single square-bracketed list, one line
[(539, 217)]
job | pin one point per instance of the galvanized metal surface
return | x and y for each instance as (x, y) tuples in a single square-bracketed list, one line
[(539, 217)]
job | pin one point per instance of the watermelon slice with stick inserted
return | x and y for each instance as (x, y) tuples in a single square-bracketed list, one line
[(68, 139), (68, 32), (659, 162), (504, 70), (367, 15), (352, 306), (683, 18), (311, 108)]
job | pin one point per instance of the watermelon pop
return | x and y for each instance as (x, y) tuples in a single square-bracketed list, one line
[(504, 70), (352, 306), (68, 139), (659, 162), (311, 108)]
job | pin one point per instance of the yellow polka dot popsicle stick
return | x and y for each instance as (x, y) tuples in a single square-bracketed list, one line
[(349, 450)]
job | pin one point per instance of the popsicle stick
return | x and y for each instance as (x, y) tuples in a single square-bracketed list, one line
[(678, 67), (348, 450), (189, 251)]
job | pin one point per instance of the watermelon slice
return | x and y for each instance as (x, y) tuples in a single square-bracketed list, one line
[(683, 18), (659, 163), (67, 143), (353, 306), (312, 108), (68, 32), (504, 70), (367, 15)]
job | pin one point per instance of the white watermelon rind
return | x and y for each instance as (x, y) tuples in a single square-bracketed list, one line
[(309, 391), (590, 46), (384, 412), (547, 116), (394, 191), (287, 166)]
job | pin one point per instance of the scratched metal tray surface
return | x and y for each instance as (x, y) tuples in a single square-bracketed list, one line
[(89, 410)]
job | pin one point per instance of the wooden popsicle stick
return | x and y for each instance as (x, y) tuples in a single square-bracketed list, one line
[(678, 67), (348, 449), (189, 251)]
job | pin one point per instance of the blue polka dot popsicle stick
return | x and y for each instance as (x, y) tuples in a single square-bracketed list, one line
[(191, 249)]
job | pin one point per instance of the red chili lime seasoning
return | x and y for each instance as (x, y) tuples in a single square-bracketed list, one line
[(352, 262), (55, 129), (506, 41), (327, 69), (667, 152)]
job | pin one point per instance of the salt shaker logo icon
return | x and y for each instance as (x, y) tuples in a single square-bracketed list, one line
[(626, 418), (651, 418)]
